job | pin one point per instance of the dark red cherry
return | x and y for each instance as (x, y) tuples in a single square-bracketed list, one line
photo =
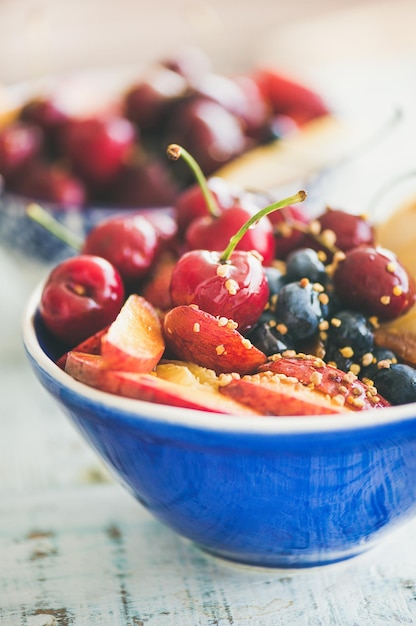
[(372, 280), (236, 289), (145, 183), (286, 95), (129, 242), (81, 296), (349, 230), (20, 143), (191, 203), (50, 183), (97, 148), (211, 133), (288, 225), (147, 102), (210, 232)]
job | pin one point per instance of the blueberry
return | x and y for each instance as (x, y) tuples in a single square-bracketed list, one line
[(379, 354), (276, 279), (298, 307), (268, 339), (305, 263), (350, 331), (397, 383)]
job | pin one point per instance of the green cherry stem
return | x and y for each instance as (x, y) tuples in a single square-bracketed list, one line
[(39, 215), (298, 197), (175, 152)]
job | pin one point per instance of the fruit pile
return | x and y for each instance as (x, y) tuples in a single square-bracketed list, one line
[(234, 307), (49, 153)]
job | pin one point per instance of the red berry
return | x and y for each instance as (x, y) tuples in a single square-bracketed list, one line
[(148, 102), (20, 142), (192, 204), (349, 230), (287, 237), (129, 242), (212, 233), (97, 148), (81, 296), (206, 129), (50, 183), (372, 280), (290, 97), (236, 289)]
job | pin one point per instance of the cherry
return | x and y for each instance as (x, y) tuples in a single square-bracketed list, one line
[(81, 296), (98, 147), (20, 142), (145, 183), (50, 183), (191, 203), (372, 280), (148, 102), (215, 229), (45, 112), (288, 227), (342, 230), (129, 242), (232, 284), (210, 232), (289, 97), (235, 288), (210, 132)]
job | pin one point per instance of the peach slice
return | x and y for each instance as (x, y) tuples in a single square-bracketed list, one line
[(95, 371), (277, 394), (91, 345), (134, 341), (321, 378), (212, 342)]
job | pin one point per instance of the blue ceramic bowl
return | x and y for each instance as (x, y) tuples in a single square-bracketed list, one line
[(276, 492)]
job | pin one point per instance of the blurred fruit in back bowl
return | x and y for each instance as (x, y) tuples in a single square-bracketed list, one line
[(94, 144)]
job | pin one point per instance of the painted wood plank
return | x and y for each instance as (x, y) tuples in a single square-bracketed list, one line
[(93, 556)]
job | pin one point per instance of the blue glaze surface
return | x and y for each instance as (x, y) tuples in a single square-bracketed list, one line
[(277, 492)]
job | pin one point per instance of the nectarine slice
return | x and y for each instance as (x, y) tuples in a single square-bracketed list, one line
[(213, 342), (134, 341)]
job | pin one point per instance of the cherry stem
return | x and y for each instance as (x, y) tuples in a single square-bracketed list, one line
[(280, 204), (39, 215), (175, 152)]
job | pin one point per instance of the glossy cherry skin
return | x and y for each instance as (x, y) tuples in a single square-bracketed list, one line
[(191, 204), (97, 148), (290, 97), (50, 183), (148, 102), (81, 296), (145, 184), (287, 236), (346, 231), (209, 232), (209, 132), (129, 242), (20, 142), (373, 281), (236, 290)]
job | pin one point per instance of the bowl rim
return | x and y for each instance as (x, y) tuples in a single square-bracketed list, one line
[(351, 421)]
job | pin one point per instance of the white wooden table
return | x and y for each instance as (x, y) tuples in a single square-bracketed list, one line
[(77, 550)]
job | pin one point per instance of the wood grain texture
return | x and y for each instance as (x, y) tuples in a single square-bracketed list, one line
[(93, 556)]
